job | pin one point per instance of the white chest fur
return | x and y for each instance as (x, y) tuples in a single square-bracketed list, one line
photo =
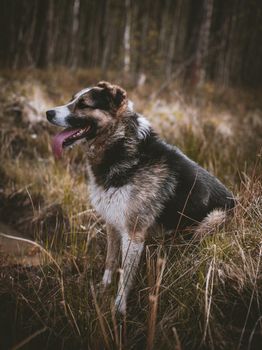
[(111, 204)]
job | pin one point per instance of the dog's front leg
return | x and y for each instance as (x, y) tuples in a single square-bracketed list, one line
[(113, 250), (132, 248)]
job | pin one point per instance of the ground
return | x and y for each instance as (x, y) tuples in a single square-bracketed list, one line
[(188, 295)]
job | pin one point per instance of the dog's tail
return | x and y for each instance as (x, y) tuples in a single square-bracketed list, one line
[(214, 220)]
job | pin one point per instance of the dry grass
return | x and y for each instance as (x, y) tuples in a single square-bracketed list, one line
[(187, 295)]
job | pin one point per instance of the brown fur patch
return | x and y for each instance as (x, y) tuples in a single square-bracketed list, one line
[(117, 97)]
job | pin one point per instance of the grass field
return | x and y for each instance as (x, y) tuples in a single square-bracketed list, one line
[(188, 295)]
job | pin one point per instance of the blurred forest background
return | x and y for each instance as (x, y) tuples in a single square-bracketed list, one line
[(194, 69), (217, 40)]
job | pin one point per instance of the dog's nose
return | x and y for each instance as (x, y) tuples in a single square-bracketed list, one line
[(50, 115)]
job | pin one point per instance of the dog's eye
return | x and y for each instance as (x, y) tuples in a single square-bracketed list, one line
[(81, 104)]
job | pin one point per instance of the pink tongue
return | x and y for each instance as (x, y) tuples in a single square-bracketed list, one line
[(57, 144)]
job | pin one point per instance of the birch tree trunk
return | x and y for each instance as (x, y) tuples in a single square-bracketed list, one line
[(127, 34)]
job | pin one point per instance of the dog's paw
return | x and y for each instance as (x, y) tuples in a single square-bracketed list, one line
[(107, 278), (120, 304)]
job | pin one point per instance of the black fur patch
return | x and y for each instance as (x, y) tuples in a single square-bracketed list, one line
[(114, 156), (100, 99), (197, 194)]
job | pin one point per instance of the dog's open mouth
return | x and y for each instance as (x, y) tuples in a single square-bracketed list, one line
[(66, 138)]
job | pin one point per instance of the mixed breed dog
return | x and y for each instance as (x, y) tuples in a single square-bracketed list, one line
[(136, 180)]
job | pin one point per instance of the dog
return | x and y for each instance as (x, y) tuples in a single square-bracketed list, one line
[(136, 180)]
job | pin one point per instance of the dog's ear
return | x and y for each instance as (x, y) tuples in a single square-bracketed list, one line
[(114, 94)]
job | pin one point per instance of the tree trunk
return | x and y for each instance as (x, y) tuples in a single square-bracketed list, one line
[(127, 35), (50, 42), (107, 37), (75, 29), (199, 74), (173, 38)]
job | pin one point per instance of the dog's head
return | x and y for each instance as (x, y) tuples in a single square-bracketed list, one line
[(89, 113)]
